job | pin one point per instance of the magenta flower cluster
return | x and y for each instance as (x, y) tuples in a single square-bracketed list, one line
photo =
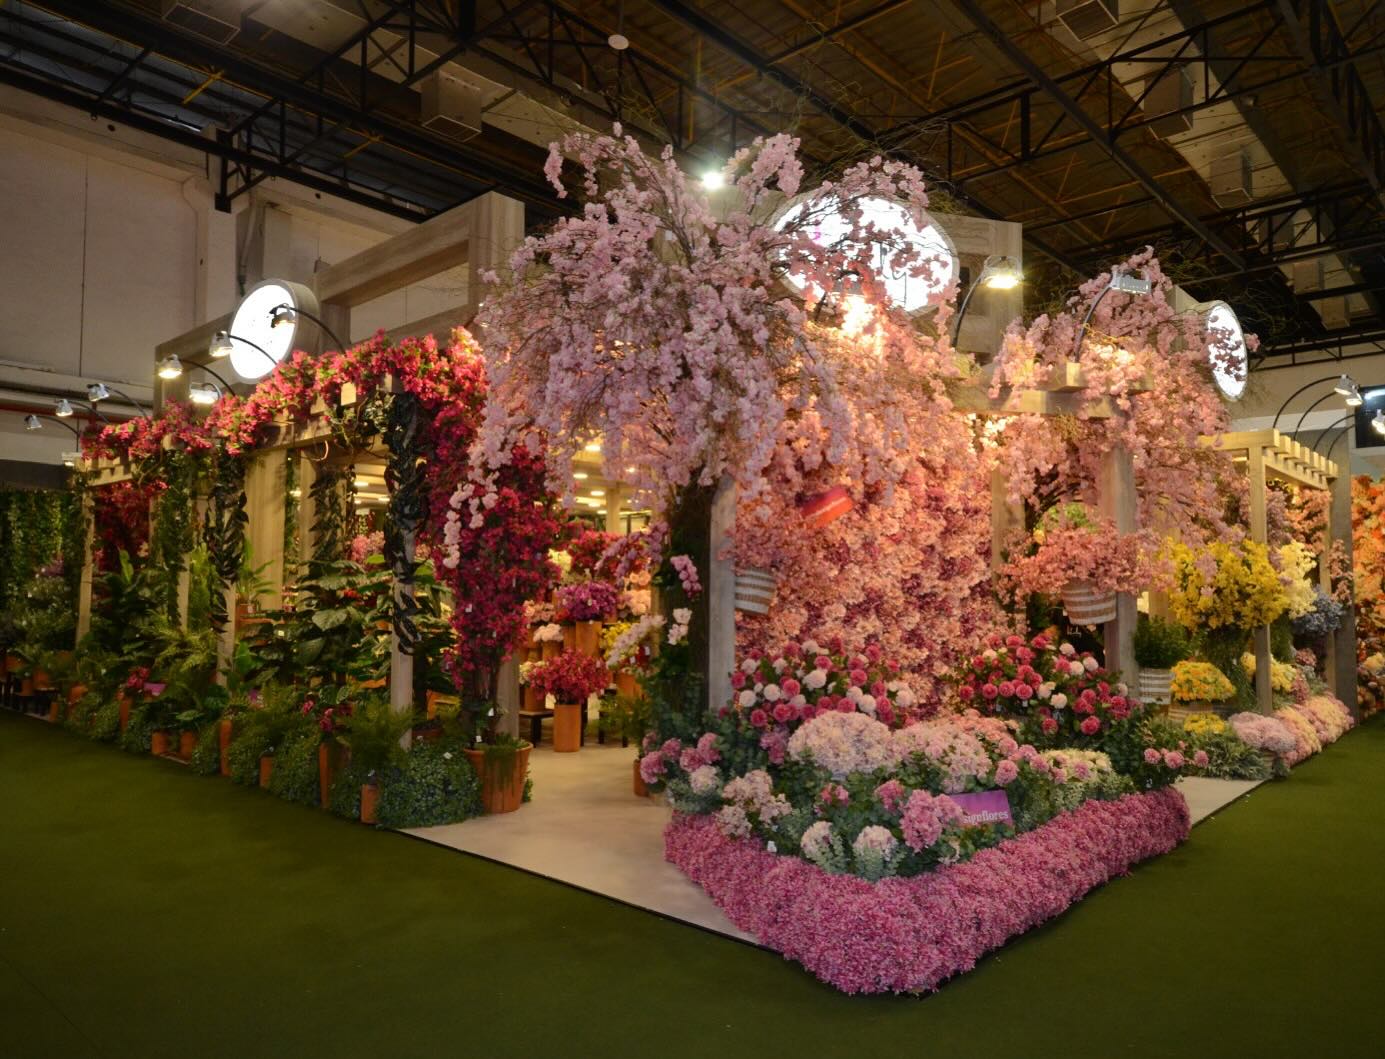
[(909, 935), (587, 601)]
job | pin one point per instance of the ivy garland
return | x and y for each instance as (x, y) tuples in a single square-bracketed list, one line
[(331, 513), (172, 535), (225, 528), (407, 510)]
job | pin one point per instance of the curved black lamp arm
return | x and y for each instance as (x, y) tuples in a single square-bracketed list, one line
[(226, 386), (128, 398), (253, 345), (962, 309), (62, 422), (91, 406), (1305, 386), (341, 346), (1312, 406), (1344, 432), (1082, 331)]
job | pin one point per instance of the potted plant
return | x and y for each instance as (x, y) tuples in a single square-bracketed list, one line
[(571, 679), (587, 604), (1086, 560), (1200, 683), (629, 717), (1159, 646), (373, 735)]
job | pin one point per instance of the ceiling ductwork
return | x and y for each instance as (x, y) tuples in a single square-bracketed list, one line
[(217, 20)]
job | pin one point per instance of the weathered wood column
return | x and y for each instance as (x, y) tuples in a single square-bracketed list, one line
[(1259, 532), (265, 485), (721, 597), (1341, 645), (1117, 500), (88, 565)]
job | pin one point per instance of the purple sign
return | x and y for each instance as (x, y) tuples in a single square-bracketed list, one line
[(985, 807)]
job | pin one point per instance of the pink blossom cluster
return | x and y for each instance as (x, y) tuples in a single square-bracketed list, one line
[(927, 817), (843, 743), (586, 601), (686, 569), (1095, 553), (909, 935), (1295, 732), (964, 760)]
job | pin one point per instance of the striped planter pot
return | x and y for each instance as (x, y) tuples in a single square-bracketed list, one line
[(754, 591), (1155, 684), (1088, 605)]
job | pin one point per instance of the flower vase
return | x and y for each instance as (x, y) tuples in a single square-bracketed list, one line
[(1155, 685), (533, 698), (641, 790), (75, 693), (266, 769), (370, 798), (569, 637), (124, 702), (567, 727), (158, 744), (1088, 605), (627, 686), (551, 649), (754, 590), (13, 663), (26, 687), (42, 681), (587, 638), (223, 738), (502, 781), (55, 711), (325, 767)]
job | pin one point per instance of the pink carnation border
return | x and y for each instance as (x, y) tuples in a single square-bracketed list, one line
[(910, 935)]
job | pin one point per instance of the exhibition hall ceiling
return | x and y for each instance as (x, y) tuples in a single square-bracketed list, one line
[(1243, 141)]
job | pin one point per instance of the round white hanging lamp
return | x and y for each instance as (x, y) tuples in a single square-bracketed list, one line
[(911, 293), (1230, 359), (255, 321)]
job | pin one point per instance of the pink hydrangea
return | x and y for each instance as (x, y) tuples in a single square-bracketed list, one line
[(926, 817)]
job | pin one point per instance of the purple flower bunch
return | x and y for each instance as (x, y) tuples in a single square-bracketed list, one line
[(586, 601)]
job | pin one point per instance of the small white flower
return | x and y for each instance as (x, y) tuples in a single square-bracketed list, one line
[(1046, 689), (866, 704), (815, 679), (447, 755), (779, 665), (772, 692), (1059, 701), (1068, 649), (747, 699), (749, 665), (1090, 664), (682, 615), (810, 647), (988, 655)]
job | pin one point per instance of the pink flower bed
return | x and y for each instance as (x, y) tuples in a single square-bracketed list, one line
[(909, 935)]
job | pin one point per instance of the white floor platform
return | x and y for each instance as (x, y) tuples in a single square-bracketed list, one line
[(586, 828)]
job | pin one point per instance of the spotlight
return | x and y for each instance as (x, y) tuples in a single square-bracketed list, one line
[(1002, 273), (281, 316), (203, 394), (1378, 423), (713, 180), (63, 408), (170, 367), (1354, 399), (31, 422), (97, 391), (618, 41), (221, 345), (1346, 386)]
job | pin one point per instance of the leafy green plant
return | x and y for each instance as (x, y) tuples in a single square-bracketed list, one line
[(372, 734), (1160, 644), (295, 768), (264, 730), (139, 730), (435, 784), (105, 721), (626, 717), (206, 756)]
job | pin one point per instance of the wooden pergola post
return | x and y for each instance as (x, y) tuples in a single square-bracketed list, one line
[(1117, 500), (721, 597), (88, 566), (1341, 645), (1259, 532)]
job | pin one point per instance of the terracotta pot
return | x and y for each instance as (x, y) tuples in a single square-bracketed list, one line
[(500, 793), (326, 765), (533, 698), (244, 613), (551, 649), (1088, 605), (26, 686), (266, 769), (224, 730), (627, 685), (187, 743), (569, 637), (567, 727), (158, 744), (1155, 684), (75, 693), (370, 796), (641, 791), (55, 711), (124, 701), (13, 663), (42, 681), (588, 637), (826, 508)]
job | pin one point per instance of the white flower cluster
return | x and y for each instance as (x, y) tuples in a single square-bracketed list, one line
[(628, 642), (678, 631)]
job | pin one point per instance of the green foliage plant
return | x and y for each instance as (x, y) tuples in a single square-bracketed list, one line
[(435, 784), (1159, 643)]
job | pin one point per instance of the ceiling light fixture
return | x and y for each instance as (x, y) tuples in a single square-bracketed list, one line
[(31, 422), (1119, 281), (204, 393), (63, 408), (100, 391), (713, 180), (170, 367)]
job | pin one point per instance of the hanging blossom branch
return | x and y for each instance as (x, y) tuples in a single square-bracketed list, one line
[(1154, 363), (666, 330)]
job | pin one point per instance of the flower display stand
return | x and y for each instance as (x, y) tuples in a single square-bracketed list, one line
[(1088, 605), (567, 727), (587, 638), (187, 743), (158, 744), (551, 649)]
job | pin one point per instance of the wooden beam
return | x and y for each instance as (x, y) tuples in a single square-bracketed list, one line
[(192, 345), (423, 251), (439, 325)]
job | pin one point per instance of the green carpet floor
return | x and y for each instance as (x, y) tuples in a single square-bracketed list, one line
[(148, 912)]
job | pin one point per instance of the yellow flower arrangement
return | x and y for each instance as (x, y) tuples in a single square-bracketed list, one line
[(1200, 682), (1295, 563), (1225, 585), (1281, 673), (1203, 724)]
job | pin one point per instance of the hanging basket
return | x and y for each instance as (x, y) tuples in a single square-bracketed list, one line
[(826, 508), (754, 591), (1088, 605), (1155, 685)]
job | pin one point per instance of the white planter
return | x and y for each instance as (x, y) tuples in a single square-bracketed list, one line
[(1155, 685), (754, 591), (1088, 605)]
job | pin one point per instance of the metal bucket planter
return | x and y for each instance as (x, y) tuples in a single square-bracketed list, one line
[(1088, 605), (754, 590), (1155, 685)]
